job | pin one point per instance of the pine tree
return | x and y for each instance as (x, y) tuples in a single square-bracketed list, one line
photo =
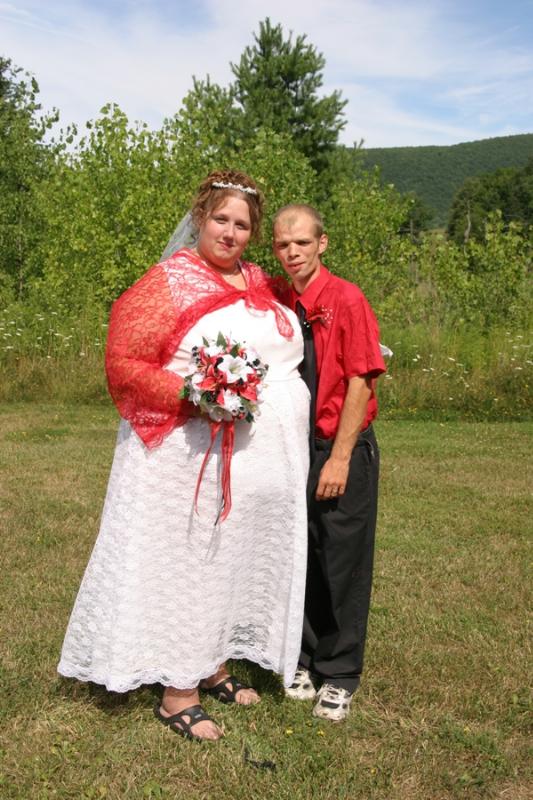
[(277, 83)]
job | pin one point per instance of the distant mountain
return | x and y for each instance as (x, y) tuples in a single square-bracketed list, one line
[(435, 173)]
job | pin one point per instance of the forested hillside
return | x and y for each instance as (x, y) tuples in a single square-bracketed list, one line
[(435, 173)]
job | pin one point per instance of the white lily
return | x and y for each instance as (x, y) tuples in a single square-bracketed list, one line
[(232, 402), (235, 368)]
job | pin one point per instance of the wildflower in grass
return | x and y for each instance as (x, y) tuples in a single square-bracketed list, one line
[(450, 358), (289, 731)]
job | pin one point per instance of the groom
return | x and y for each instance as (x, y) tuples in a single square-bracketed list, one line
[(342, 360)]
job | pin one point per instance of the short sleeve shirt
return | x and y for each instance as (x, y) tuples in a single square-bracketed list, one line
[(346, 338)]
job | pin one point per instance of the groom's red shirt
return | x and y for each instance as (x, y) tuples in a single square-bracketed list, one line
[(346, 338)]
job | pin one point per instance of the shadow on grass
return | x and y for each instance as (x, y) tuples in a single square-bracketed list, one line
[(112, 703), (121, 703)]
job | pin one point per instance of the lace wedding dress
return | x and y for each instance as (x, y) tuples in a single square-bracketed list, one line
[(167, 595)]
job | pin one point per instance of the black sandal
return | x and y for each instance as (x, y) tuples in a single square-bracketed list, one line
[(178, 724), (225, 693)]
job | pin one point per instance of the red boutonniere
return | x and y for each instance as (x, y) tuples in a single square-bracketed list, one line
[(319, 314)]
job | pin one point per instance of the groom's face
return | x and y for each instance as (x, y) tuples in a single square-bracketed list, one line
[(298, 248)]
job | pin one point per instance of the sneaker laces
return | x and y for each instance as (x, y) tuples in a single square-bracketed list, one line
[(333, 694), (300, 676)]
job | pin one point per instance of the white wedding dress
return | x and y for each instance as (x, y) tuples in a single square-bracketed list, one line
[(167, 596)]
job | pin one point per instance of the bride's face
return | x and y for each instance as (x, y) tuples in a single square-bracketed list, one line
[(225, 233)]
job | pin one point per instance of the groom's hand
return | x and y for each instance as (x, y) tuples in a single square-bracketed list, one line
[(332, 479)]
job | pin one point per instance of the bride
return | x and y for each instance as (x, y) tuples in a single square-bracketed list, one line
[(172, 590)]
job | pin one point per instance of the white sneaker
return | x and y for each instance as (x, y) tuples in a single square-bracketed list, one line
[(333, 703), (302, 687)]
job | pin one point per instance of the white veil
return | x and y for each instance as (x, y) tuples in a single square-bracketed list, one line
[(185, 235)]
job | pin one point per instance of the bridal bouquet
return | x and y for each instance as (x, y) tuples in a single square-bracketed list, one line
[(226, 380), (225, 383)]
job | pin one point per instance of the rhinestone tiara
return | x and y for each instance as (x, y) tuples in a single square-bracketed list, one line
[(237, 186)]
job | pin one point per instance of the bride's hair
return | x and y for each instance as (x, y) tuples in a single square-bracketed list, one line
[(231, 183)]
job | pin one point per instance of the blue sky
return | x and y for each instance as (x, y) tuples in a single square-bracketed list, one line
[(414, 72)]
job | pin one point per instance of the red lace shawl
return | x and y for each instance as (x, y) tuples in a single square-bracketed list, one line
[(149, 321)]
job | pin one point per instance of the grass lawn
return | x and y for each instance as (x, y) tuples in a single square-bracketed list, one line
[(443, 708)]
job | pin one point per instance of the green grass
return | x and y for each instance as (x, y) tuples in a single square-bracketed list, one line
[(443, 708), (457, 373), (435, 373)]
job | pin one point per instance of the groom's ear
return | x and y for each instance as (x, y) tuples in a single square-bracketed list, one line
[(323, 243)]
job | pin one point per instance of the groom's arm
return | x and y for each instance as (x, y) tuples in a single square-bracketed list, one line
[(334, 473)]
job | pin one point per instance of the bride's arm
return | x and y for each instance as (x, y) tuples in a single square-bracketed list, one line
[(141, 325)]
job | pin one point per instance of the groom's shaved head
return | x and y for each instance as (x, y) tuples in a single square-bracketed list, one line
[(290, 214)]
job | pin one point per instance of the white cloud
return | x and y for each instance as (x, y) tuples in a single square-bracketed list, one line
[(382, 123), (413, 72)]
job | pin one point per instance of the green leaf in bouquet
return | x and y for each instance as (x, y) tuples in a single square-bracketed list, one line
[(221, 340)]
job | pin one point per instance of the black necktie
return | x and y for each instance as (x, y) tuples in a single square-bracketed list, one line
[(308, 369)]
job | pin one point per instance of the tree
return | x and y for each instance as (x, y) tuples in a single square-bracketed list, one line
[(109, 208), (276, 87), (508, 190), (418, 217), (24, 162), (208, 115)]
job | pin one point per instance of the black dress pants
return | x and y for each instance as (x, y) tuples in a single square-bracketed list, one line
[(340, 561)]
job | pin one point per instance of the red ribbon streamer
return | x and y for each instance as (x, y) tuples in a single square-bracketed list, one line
[(228, 439)]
